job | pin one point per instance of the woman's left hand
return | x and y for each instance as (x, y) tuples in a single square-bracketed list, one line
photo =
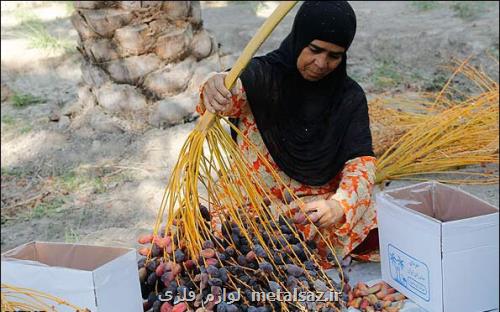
[(324, 213)]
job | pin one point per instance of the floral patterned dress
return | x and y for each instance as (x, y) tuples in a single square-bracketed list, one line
[(352, 188)]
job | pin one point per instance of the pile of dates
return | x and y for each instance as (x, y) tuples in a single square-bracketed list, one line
[(234, 272)]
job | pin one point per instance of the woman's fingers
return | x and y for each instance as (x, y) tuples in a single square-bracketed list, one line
[(210, 104), (299, 218), (206, 101), (314, 217), (214, 98), (314, 205), (316, 212), (221, 87), (330, 214), (322, 220), (221, 100), (217, 107), (308, 213)]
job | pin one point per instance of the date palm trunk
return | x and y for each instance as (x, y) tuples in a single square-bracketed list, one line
[(136, 57)]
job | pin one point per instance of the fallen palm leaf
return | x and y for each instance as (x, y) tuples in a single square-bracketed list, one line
[(27, 299), (450, 134)]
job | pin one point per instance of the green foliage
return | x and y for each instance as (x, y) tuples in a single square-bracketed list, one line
[(23, 15), (46, 209), (424, 5), (26, 129), (32, 28), (12, 127), (12, 172), (389, 74), (8, 120), (70, 236), (386, 75), (99, 186), (72, 181), (24, 99), (69, 6), (437, 83), (468, 9)]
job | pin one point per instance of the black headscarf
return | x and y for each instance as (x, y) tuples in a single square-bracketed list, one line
[(310, 128)]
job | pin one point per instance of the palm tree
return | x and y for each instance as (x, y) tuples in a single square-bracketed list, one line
[(398, 263), (136, 54)]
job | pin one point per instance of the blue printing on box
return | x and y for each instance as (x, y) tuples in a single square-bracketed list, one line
[(409, 272)]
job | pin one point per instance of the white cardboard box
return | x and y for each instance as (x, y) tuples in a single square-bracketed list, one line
[(439, 246), (102, 279)]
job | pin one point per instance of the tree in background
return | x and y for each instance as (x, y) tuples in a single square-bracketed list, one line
[(138, 58)]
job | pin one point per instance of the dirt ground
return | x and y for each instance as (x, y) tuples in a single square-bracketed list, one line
[(104, 187)]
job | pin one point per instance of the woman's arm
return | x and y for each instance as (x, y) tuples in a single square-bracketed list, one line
[(349, 203), (354, 194), (213, 96)]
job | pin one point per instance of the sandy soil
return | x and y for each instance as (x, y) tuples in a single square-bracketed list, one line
[(86, 185)]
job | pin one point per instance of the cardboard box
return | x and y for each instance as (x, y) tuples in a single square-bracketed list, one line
[(439, 246), (102, 279)]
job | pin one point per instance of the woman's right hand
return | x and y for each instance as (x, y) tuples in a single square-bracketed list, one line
[(216, 97)]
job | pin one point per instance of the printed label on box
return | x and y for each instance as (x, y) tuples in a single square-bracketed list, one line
[(409, 272)]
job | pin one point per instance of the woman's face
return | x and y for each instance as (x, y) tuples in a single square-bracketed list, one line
[(319, 59)]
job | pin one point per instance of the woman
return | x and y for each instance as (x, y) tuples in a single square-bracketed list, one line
[(310, 120)]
